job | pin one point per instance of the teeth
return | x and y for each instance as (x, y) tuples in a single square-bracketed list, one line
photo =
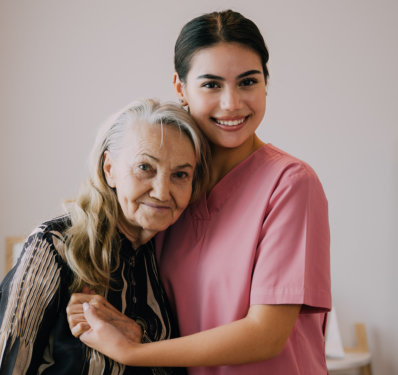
[(231, 123)]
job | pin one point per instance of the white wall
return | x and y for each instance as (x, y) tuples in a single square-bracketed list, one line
[(65, 66)]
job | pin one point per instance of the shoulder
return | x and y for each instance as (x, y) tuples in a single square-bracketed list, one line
[(56, 226), (285, 163), (40, 266), (51, 231), (296, 187), (280, 169), (45, 241)]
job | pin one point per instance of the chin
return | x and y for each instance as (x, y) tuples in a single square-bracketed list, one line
[(157, 227)]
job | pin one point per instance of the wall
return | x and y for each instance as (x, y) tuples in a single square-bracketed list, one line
[(65, 66)]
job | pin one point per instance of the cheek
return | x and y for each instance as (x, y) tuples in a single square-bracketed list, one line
[(258, 101), (200, 105), (183, 197), (127, 205), (128, 193)]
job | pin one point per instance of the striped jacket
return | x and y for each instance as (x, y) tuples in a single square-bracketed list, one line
[(34, 333)]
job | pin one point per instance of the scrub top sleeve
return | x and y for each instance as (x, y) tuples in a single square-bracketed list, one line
[(292, 264)]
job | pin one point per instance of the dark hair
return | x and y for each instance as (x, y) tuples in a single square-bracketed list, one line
[(212, 28)]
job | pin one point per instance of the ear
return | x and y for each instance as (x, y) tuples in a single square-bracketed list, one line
[(178, 86), (109, 170)]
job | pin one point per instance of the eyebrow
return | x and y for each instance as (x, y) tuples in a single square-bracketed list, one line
[(186, 165), (245, 74)]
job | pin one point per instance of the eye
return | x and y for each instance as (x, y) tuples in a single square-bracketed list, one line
[(248, 82), (145, 167), (211, 85), (181, 175)]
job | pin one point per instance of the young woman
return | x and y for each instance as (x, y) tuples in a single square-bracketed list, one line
[(246, 267), (148, 162)]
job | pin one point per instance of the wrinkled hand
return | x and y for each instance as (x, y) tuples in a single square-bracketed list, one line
[(74, 311), (104, 312), (106, 337)]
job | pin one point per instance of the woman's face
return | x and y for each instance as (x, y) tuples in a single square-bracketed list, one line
[(152, 174), (225, 89)]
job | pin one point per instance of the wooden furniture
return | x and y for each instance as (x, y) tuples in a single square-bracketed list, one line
[(13, 249), (354, 358)]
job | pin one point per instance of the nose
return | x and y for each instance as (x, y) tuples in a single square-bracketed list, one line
[(230, 99), (161, 188)]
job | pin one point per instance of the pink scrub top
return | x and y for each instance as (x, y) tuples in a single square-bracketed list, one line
[(260, 237)]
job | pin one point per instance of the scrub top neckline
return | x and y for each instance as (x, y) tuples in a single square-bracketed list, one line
[(215, 199)]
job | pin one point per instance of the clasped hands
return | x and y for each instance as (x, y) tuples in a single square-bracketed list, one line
[(100, 325)]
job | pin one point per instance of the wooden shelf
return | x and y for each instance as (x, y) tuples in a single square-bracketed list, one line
[(358, 357), (349, 361)]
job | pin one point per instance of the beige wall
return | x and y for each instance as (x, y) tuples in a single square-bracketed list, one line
[(332, 101)]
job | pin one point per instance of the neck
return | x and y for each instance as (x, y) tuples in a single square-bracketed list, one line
[(225, 159), (136, 235)]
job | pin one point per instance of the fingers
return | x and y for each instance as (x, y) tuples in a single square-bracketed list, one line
[(80, 328), (96, 319), (79, 298), (74, 319), (101, 312), (91, 315), (105, 337), (75, 305), (102, 336), (75, 315), (74, 310)]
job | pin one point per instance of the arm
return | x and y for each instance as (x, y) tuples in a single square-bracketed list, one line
[(261, 335), (29, 296)]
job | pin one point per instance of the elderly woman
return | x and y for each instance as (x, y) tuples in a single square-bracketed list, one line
[(149, 161)]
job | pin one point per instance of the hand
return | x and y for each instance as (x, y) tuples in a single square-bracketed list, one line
[(74, 311), (105, 336), (104, 311)]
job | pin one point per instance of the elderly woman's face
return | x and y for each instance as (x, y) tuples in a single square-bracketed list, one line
[(152, 175)]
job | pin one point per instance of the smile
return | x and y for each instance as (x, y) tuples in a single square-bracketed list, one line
[(156, 206), (232, 123)]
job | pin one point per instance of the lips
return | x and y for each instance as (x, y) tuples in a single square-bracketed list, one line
[(231, 123), (157, 206)]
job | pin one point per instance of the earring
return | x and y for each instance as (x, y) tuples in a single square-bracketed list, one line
[(183, 102)]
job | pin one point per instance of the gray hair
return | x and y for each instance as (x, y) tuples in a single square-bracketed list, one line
[(152, 112), (92, 237)]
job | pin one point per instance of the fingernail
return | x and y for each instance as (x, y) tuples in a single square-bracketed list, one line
[(85, 306)]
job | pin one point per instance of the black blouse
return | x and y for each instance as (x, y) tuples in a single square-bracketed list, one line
[(34, 334)]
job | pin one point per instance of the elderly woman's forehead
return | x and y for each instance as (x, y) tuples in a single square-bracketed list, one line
[(159, 130), (156, 136)]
